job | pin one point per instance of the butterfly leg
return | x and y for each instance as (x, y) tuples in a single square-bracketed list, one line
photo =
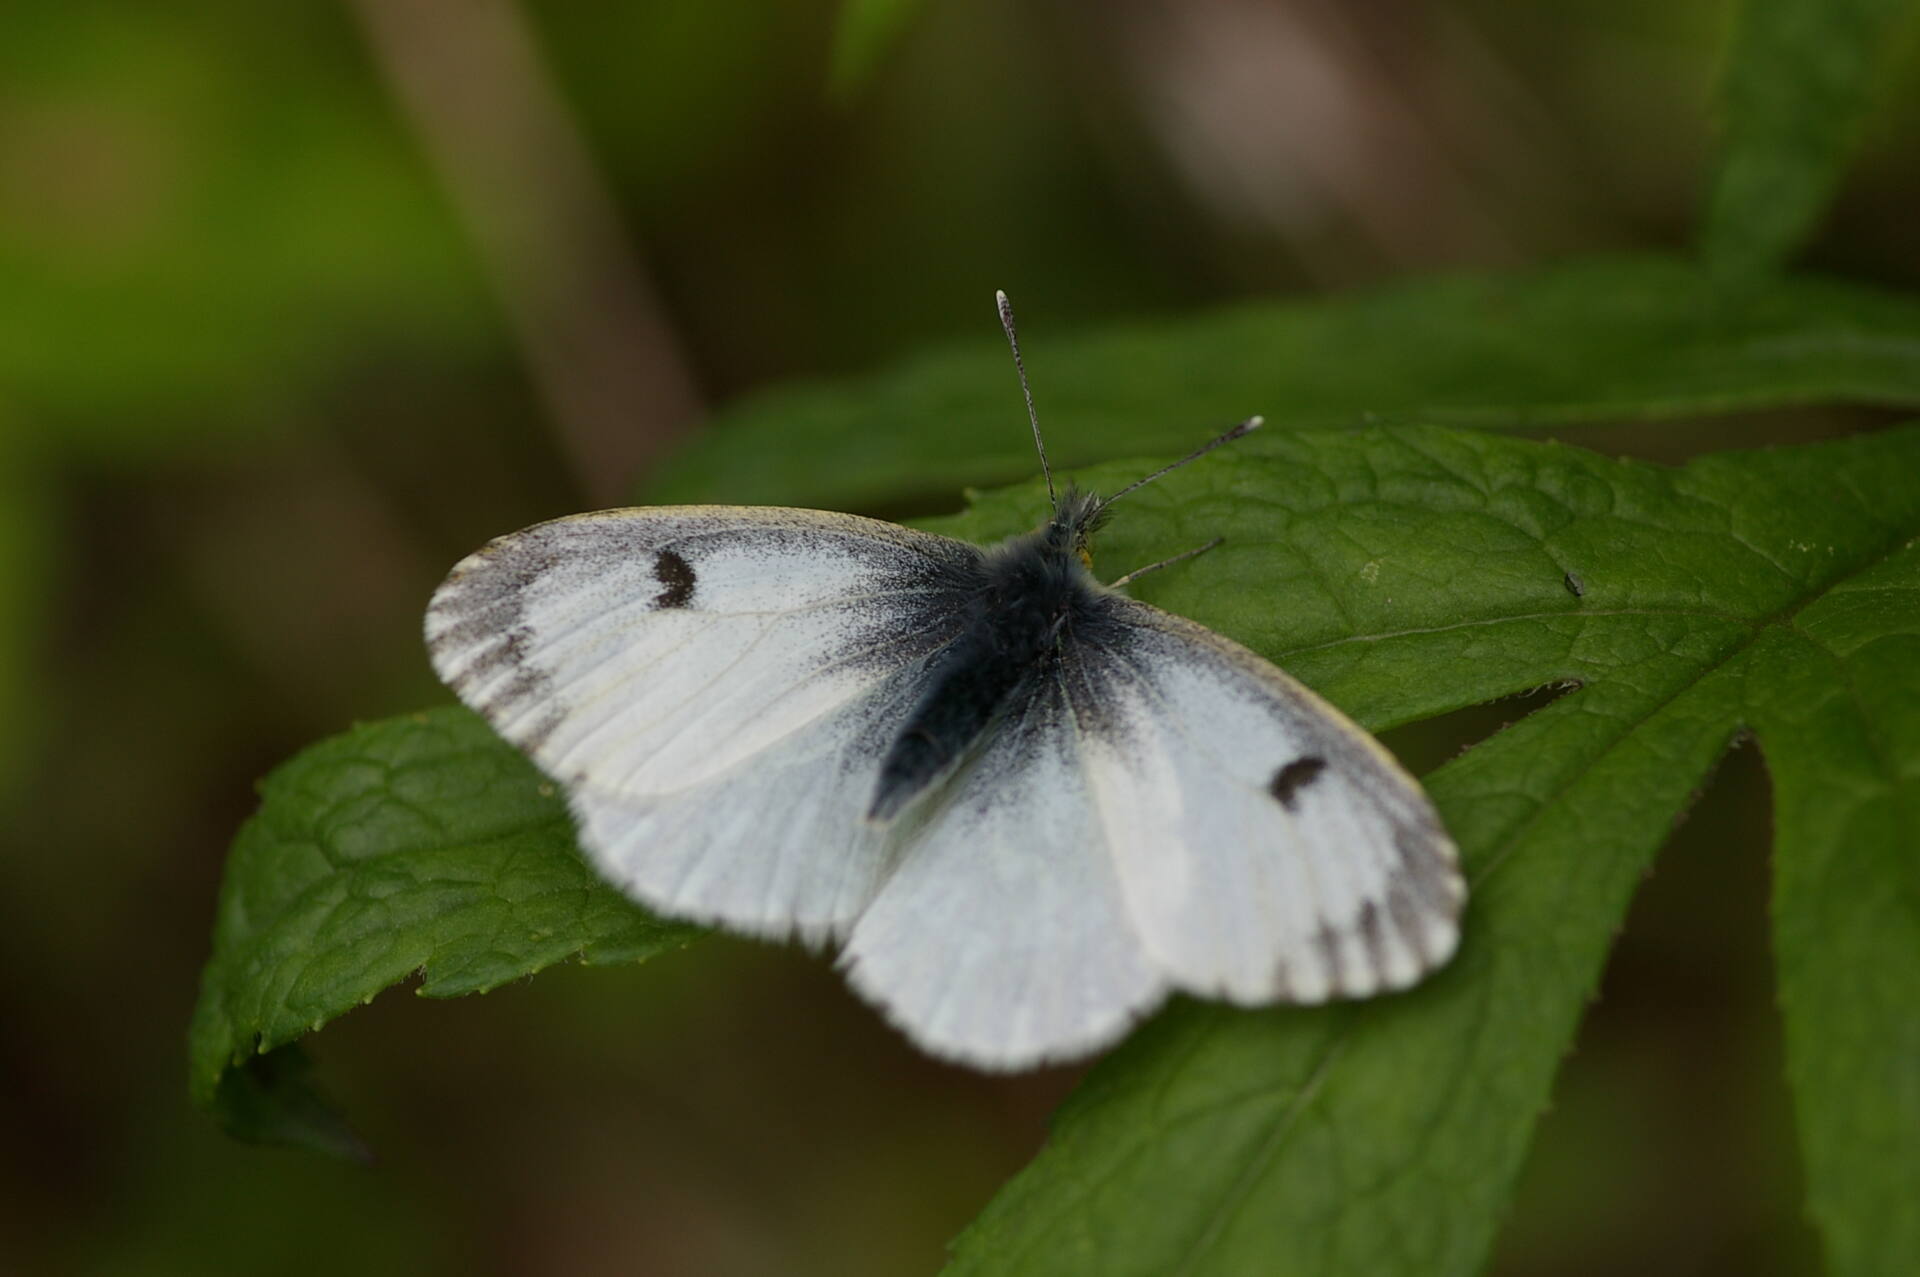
[(1164, 563)]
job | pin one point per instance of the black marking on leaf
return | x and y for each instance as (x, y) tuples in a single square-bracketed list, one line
[(1288, 781), (676, 575)]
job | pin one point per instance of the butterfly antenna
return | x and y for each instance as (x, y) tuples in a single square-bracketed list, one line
[(1246, 427), (1006, 322)]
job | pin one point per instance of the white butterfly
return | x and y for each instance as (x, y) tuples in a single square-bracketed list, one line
[(1028, 806)]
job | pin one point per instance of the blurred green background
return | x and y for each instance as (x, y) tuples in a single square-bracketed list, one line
[(299, 303)]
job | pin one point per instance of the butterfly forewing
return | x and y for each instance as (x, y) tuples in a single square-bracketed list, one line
[(1266, 848), (711, 685)]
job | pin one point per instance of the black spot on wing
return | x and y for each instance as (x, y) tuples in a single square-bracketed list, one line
[(483, 646), (1423, 873), (534, 735), (475, 623), (497, 650), (675, 575), (1327, 941), (1405, 914), (1375, 942), (1295, 776), (523, 709)]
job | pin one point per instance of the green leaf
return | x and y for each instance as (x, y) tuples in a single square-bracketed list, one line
[(1407, 573), (271, 1098), (1800, 74), (1835, 698), (1593, 341), (419, 844), (1403, 573), (861, 38)]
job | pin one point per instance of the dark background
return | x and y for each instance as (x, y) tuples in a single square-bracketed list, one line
[(300, 302)]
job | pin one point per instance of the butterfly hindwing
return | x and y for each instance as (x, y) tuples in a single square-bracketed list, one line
[(1001, 937), (711, 686)]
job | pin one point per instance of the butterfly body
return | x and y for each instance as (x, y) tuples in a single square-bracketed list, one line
[(1018, 602)]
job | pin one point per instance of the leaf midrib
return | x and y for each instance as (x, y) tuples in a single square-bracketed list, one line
[(1283, 1123), (1883, 757), (1575, 613)]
